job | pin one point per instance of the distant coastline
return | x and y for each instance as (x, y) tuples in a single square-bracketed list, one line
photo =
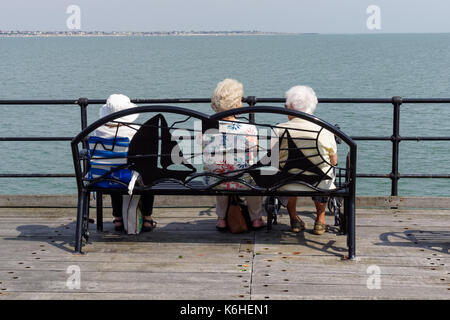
[(133, 33)]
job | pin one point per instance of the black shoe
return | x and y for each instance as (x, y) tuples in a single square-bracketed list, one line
[(120, 227), (147, 229)]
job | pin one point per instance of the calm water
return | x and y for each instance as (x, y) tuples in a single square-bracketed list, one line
[(159, 67)]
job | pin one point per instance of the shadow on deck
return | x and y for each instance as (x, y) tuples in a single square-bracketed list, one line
[(186, 258)]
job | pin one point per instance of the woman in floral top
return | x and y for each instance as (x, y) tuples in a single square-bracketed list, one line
[(232, 148)]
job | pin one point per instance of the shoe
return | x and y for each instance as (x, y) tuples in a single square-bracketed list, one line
[(298, 225), (258, 224), (148, 229), (221, 225), (319, 228), (118, 227)]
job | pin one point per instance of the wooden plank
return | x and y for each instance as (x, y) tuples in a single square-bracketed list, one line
[(346, 292), (356, 279), (200, 263), (362, 220), (369, 239), (41, 201), (188, 285), (165, 295)]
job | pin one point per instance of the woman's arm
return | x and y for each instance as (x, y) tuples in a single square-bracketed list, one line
[(334, 159)]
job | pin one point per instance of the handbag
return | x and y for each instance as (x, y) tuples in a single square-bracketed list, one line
[(132, 214), (238, 217)]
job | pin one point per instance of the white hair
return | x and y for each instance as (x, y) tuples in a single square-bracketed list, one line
[(227, 95), (301, 98)]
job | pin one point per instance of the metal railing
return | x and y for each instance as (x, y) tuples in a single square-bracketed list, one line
[(395, 138)]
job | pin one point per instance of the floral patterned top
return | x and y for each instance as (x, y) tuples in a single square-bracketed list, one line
[(228, 150)]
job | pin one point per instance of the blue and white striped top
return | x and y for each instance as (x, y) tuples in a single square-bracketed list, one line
[(106, 154)]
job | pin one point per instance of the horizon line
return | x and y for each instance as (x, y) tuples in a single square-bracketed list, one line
[(174, 32)]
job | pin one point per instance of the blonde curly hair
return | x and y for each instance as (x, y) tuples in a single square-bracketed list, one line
[(227, 95)]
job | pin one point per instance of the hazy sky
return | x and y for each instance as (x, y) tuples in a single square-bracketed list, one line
[(324, 16)]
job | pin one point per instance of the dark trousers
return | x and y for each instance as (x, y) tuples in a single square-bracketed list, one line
[(146, 201)]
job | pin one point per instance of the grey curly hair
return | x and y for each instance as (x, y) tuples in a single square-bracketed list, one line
[(227, 95)]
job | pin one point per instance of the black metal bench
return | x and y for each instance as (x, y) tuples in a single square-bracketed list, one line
[(166, 132)]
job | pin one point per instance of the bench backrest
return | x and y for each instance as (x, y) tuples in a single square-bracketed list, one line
[(158, 150)]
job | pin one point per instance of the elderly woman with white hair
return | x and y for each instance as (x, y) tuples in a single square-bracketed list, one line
[(123, 127), (233, 147), (303, 98)]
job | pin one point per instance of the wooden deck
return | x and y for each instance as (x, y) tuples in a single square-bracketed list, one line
[(185, 258)]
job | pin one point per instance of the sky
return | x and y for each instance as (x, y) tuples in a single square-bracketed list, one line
[(296, 16)]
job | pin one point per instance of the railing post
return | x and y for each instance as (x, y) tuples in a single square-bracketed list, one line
[(351, 228), (251, 100), (395, 138), (83, 103)]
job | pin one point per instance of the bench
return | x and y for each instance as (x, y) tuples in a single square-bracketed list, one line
[(166, 153)]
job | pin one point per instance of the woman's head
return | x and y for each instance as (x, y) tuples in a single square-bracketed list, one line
[(227, 95), (301, 98)]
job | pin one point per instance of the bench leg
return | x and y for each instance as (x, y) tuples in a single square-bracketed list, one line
[(269, 220), (86, 220), (270, 205), (80, 217), (275, 211), (99, 211), (344, 221), (351, 224)]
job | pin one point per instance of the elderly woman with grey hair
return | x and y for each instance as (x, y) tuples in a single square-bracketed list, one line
[(303, 98), (233, 147)]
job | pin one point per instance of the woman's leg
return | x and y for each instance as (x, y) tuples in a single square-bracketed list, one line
[(116, 203), (255, 207), (147, 205), (147, 210), (221, 207), (292, 207), (255, 210), (320, 211), (297, 224), (221, 211)]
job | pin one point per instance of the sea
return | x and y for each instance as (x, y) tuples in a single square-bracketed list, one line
[(335, 66)]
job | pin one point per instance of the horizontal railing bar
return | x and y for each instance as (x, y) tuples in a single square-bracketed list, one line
[(407, 176), (360, 175), (372, 175), (425, 138), (388, 175), (37, 175), (373, 138), (369, 138), (426, 100), (38, 102), (36, 138), (208, 100), (432, 176)]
